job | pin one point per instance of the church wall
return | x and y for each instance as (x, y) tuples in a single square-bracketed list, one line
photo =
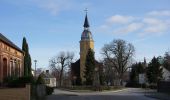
[(84, 47)]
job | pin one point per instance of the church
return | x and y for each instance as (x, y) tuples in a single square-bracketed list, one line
[(11, 59), (86, 43)]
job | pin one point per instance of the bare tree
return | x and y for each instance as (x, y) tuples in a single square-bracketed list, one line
[(109, 72), (119, 53), (61, 64)]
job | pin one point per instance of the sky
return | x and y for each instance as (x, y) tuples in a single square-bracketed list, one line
[(52, 26)]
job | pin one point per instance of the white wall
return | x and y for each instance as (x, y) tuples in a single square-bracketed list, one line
[(166, 74), (51, 82)]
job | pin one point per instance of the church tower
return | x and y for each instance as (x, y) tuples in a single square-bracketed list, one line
[(86, 43)]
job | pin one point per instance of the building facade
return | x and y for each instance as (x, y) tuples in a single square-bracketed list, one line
[(11, 59)]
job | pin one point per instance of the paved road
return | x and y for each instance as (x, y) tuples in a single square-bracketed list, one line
[(126, 94)]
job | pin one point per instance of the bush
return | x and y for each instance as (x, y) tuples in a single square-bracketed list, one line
[(49, 90), (135, 85), (40, 80), (153, 86), (15, 82)]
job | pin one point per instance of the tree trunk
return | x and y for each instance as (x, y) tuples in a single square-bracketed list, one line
[(61, 75)]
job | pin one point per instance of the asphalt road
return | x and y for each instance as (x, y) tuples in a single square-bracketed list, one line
[(125, 94)]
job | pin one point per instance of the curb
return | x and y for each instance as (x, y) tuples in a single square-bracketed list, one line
[(90, 91)]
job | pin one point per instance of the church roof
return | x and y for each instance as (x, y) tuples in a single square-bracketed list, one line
[(86, 35), (8, 42), (86, 22)]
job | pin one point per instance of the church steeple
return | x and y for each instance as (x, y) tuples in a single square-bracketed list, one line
[(86, 43), (86, 34), (86, 22)]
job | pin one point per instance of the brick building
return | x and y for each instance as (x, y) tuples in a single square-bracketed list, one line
[(11, 59)]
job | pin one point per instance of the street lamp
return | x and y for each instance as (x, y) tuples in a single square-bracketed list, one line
[(74, 79), (35, 67)]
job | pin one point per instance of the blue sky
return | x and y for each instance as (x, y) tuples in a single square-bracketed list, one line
[(51, 26)]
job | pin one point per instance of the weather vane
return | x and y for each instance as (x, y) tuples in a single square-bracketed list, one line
[(86, 10)]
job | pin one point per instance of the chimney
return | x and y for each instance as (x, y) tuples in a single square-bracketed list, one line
[(47, 71)]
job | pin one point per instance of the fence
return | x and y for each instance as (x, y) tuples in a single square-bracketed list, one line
[(164, 86), (38, 92)]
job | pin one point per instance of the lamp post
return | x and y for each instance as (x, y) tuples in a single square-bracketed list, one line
[(74, 80), (35, 67)]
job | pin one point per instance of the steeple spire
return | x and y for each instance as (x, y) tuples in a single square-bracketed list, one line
[(86, 22)]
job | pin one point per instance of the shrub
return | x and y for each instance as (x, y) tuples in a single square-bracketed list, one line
[(49, 90), (15, 82), (40, 80), (153, 86), (136, 85)]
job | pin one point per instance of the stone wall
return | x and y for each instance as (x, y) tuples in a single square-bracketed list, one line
[(15, 93)]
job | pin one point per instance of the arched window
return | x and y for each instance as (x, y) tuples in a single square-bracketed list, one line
[(15, 68), (4, 67), (19, 68), (11, 67)]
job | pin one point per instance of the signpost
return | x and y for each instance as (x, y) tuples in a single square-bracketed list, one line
[(141, 78)]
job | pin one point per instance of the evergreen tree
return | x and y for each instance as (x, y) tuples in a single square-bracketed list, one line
[(140, 68), (89, 67), (40, 79), (134, 74), (27, 58), (154, 71), (137, 68)]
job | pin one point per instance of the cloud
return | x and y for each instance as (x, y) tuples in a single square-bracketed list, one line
[(142, 26), (152, 21), (155, 26), (159, 13), (54, 6), (129, 28), (119, 19)]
